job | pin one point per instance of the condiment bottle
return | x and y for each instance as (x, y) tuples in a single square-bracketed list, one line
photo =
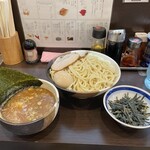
[(146, 56), (30, 51), (99, 35), (114, 46), (147, 79), (130, 56), (141, 50)]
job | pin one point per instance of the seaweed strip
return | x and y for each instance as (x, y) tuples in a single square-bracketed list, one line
[(12, 81)]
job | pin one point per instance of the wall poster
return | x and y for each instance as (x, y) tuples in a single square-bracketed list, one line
[(63, 23)]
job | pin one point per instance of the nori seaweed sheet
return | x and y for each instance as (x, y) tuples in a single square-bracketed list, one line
[(12, 81)]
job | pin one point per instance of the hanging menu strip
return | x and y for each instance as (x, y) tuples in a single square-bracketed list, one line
[(135, 1)]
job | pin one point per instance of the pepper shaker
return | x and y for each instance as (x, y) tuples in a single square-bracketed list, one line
[(30, 51)]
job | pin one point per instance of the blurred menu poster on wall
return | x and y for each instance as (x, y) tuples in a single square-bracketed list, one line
[(63, 23)]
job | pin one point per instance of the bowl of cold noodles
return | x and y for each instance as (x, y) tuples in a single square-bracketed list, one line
[(129, 106), (83, 73), (31, 109)]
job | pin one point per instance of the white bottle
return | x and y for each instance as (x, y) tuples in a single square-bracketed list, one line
[(147, 79)]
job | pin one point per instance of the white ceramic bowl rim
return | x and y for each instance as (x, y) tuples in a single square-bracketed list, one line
[(128, 88)]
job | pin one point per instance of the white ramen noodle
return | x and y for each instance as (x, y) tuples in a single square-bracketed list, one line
[(90, 74)]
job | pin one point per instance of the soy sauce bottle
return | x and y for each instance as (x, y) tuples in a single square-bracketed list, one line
[(115, 42)]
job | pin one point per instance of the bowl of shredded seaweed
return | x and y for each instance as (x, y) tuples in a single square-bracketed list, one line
[(129, 106)]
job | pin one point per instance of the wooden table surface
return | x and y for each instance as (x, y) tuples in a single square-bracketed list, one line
[(80, 123)]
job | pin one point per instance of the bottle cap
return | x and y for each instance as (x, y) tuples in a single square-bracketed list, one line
[(116, 35), (142, 35), (134, 42), (99, 32), (29, 44)]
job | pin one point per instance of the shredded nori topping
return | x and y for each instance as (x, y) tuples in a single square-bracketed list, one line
[(130, 110)]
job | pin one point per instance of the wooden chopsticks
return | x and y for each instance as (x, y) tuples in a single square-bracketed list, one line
[(7, 27)]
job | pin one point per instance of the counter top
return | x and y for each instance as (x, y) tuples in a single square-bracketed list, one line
[(81, 123)]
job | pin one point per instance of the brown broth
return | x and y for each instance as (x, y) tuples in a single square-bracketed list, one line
[(28, 105)]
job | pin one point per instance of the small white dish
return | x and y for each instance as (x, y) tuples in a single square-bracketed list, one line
[(119, 91)]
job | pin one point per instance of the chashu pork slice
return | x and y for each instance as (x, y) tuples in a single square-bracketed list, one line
[(64, 61)]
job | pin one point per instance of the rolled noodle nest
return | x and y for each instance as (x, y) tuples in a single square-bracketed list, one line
[(90, 74)]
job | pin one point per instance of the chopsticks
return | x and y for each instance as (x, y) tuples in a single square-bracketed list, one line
[(7, 27)]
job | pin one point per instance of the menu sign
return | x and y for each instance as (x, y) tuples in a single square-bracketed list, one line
[(63, 23)]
